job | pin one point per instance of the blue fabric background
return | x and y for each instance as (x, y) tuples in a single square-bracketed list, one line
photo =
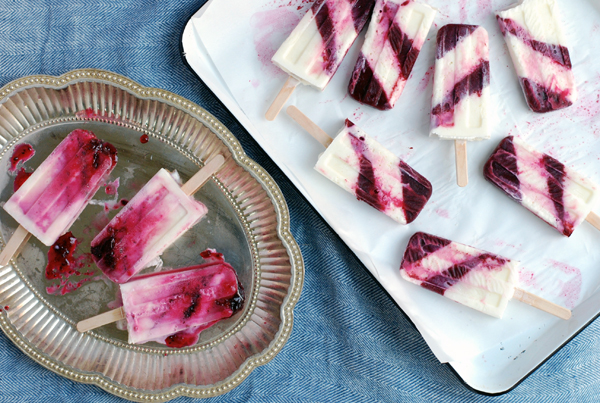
[(350, 342)]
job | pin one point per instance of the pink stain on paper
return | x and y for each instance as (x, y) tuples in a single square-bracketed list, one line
[(566, 286), (442, 213), (484, 6), (424, 83), (588, 107), (527, 277), (358, 114), (571, 289), (462, 4), (270, 28)]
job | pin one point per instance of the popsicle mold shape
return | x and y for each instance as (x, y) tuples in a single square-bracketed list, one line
[(365, 168), (51, 199), (159, 305), (393, 42), (545, 186), (152, 220), (173, 307), (534, 36), (316, 47), (472, 277), (461, 84)]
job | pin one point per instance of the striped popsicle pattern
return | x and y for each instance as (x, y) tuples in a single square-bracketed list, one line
[(533, 33), (316, 47), (472, 277), (363, 167), (461, 83), (555, 193), (396, 33)]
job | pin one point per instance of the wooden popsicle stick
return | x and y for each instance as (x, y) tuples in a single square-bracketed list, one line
[(462, 173), (20, 248), (593, 219), (101, 320), (196, 181), (286, 92), (540, 303), (14, 244), (308, 125)]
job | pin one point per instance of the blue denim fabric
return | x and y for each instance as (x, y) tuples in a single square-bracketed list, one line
[(350, 342)]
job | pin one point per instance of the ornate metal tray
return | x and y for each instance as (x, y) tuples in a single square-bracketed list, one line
[(248, 222)]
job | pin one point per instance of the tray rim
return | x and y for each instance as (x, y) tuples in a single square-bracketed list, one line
[(250, 166)]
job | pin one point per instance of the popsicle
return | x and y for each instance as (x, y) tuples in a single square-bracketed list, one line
[(316, 47), (152, 220), (160, 306), (546, 187), (360, 165), (52, 198), (470, 276), (536, 43), (393, 42), (461, 87)]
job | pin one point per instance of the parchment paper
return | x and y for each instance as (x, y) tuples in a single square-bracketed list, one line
[(563, 270)]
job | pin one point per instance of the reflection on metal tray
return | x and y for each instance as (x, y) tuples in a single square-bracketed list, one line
[(248, 222)]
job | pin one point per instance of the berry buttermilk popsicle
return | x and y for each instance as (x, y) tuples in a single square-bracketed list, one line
[(546, 187), (52, 198), (393, 42), (470, 276), (537, 46), (152, 220), (316, 47), (461, 87), (363, 167), (172, 307)]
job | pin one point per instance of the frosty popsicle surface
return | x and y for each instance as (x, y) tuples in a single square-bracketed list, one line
[(158, 306), (393, 42), (461, 84), (536, 42), (316, 47), (152, 220), (472, 277), (557, 194), (365, 168), (51, 199), (173, 307)]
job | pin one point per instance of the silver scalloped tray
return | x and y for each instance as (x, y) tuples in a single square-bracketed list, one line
[(248, 221)]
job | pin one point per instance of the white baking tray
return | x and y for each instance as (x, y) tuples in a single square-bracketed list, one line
[(490, 356)]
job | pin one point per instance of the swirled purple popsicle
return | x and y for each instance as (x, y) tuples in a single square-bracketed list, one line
[(51, 199), (168, 307), (554, 192), (393, 42), (533, 32), (363, 167)]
